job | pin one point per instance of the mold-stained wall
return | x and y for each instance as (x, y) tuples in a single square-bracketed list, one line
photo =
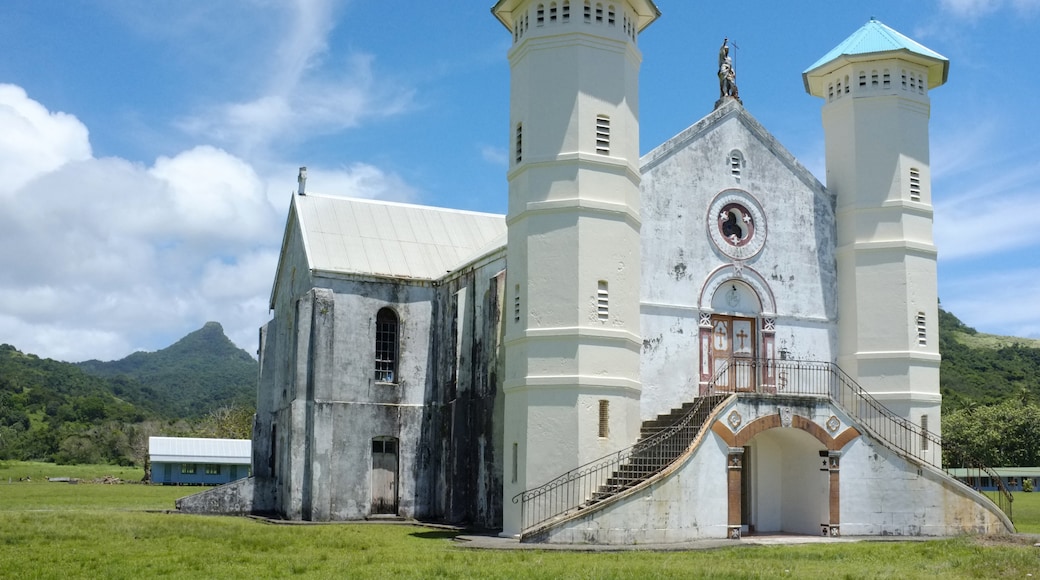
[(788, 264), (320, 406)]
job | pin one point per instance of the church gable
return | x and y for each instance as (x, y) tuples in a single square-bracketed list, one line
[(785, 231), (734, 230)]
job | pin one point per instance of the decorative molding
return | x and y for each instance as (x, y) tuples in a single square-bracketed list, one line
[(833, 424), (737, 224), (734, 419), (786, 416)]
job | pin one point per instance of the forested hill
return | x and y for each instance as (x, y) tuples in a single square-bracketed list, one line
[(985, 369), (199, 373)]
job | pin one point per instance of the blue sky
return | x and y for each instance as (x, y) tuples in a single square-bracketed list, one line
[(148, 149)]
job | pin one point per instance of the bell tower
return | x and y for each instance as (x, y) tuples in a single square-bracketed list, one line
[(572, 339), (876, 87)]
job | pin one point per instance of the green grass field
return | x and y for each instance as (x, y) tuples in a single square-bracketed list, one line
[(60, 530)]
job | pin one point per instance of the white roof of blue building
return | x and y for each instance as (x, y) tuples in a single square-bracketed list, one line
[(875, 38), (200, 450)]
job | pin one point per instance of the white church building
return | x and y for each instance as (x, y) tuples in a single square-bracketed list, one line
[(702, 342)]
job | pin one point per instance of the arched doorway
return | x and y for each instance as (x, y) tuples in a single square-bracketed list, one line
[(733, 337)]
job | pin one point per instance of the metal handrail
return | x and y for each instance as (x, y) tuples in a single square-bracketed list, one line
[(606, 476), (611, 474), (817, 378)]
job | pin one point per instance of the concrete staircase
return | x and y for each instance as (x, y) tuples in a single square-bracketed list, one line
[(661, 442)]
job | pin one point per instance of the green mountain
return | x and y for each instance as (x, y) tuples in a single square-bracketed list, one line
[(51, 410), (199, 373), (985, 369)]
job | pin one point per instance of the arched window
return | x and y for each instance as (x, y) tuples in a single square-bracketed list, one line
[(736, 163), (540, 20), (386, 346), (565, 15), (588, 11), (552, 12)]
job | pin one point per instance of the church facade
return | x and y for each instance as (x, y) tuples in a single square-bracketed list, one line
[(704, 341)]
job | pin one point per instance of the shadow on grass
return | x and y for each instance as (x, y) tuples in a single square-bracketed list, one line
[(436, 535)]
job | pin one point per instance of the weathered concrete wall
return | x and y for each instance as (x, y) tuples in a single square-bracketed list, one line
[(794, 267), (235, 498), (319, 406), (880, 492), (885, 494)]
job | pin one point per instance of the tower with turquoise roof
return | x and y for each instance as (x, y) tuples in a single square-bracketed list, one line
[(876, 87)]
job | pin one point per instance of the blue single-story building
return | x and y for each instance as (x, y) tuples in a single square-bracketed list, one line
[(1014, 478), (198, 461)]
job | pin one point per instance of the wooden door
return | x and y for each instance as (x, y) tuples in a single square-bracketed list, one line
[(733, 342), (384, 476)]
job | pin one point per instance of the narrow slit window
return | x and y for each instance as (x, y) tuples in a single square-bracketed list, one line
[(386, 346), (519, 143), (874, 79), (611, 18), (922, 333), (915, 184), (839, 88), (604, 418), (599, 13), (886, 79), (603, 135), (830, 91), (602, 301), (552, 12), (516, 461), (540, 15), (904, 80), (847, 84), (565, 13), (588, 11), (863, 79), (516, 304), (924, 432)]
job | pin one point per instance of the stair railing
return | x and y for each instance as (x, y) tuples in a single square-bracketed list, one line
[(586, 484), (825, 379)]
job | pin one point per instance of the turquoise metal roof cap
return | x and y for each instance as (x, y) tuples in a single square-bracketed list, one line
[(875, 37)]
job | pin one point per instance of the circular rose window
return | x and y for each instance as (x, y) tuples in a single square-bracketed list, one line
[(736, 224)]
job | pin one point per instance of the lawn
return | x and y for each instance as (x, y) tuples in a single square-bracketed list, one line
[(59, 530)]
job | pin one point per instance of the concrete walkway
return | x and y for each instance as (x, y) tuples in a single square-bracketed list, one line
[(494, 542)]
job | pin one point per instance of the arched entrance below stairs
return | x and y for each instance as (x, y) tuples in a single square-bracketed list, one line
[(785, 484), (782, 474)]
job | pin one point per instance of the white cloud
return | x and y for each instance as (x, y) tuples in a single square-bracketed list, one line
[(102, 255), (974, 9), (494, 155), (302, 97), (105, 256), (34, 140)]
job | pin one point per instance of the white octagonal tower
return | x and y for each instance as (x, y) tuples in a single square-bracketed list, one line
[(876, 86), (572, 339)]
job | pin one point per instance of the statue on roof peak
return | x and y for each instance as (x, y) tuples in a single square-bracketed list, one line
[(727, 74)]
